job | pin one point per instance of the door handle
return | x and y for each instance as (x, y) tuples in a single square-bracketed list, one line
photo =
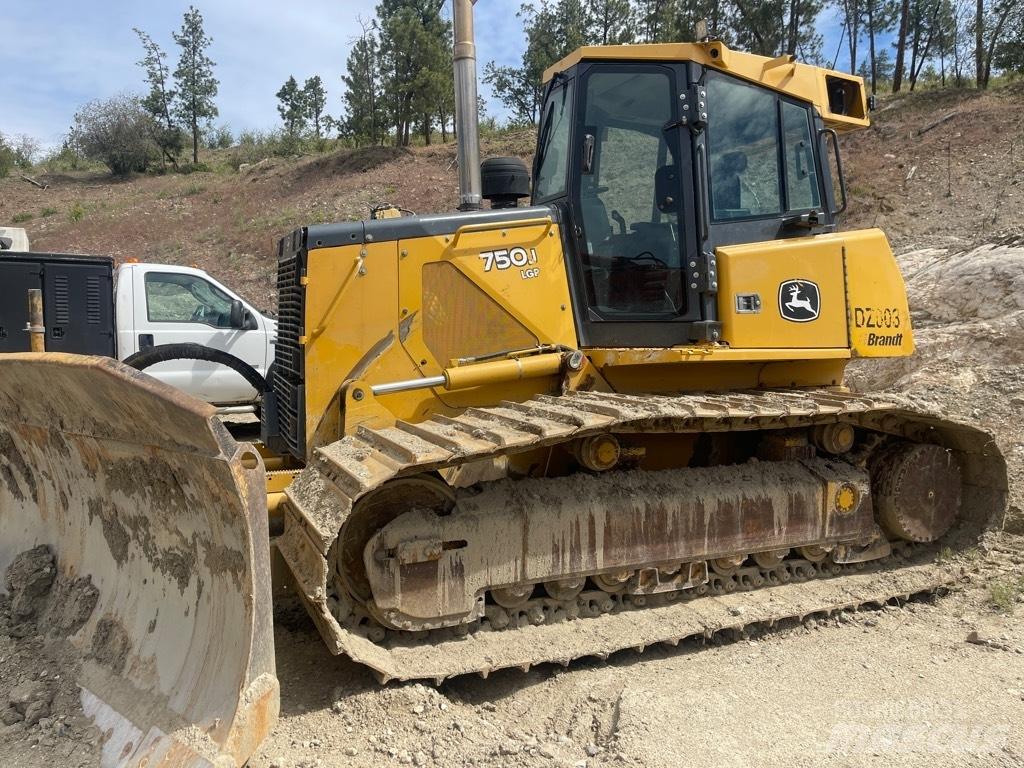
[(145, 341)]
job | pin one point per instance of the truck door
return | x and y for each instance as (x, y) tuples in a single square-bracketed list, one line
[(174, 305)]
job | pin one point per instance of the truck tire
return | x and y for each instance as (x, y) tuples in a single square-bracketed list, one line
[(164, 352)]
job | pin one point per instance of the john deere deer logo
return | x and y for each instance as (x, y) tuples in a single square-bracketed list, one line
[(799, 301)]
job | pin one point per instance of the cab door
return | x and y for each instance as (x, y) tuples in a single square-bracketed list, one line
[(174, 305)]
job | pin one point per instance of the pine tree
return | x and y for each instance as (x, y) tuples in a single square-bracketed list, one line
[(314, 101), (362, 88), (291, 106), (413, 52), (553, 30), (196, 85), (610, 22), (159, 99)]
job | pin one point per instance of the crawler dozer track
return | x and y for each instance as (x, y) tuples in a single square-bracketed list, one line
[(138, 492), (419, 579)]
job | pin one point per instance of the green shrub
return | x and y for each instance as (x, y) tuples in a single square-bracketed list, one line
[(76, 212), (47, 212), (117, 132), (18, 218), (7, 158)]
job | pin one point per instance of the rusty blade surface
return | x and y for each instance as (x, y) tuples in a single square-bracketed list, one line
[(138, 487), (322, 498)]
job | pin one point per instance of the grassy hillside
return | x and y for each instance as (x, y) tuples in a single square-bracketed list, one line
[(959, 182)]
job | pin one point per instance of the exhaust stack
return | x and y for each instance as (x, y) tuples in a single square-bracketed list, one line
[(466, 118)]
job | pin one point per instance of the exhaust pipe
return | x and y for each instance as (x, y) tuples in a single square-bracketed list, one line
[(466, 118)]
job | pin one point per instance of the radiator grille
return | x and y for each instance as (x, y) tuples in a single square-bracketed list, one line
[(289, 373)]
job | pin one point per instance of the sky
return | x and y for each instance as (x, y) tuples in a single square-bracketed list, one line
[(49, 68)]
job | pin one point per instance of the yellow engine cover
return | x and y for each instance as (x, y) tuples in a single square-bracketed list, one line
[(782, 294), (838, 290)]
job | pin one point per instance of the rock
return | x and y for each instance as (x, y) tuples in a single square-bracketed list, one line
[(36, 711), (509, 748), (350, 751), (418, 709), (736, 611), (421, 725), (23, 694), (419, 759), (11, 716), (592, 750), (278, 762), (547, 750)]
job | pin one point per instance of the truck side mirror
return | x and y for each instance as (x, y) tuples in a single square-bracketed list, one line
[(237, 319)]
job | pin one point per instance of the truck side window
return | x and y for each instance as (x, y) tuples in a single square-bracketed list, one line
[(556, 122), (176, 298), (743, 138), (801, 175)]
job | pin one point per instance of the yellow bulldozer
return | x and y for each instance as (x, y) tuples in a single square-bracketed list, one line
[(509, 436)]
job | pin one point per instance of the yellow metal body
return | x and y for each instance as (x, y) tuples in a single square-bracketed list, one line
[(428, 307)]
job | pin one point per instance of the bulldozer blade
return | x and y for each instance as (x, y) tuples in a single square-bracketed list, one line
[(139, 488)]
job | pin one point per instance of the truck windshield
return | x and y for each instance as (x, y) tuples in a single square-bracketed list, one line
[(629, 196)]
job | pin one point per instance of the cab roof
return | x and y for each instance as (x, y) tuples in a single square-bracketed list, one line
[(825, 88)]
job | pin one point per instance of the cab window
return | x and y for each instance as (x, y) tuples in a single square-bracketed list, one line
[(801, 179), (743, 141), (555, 125), (176, 298)]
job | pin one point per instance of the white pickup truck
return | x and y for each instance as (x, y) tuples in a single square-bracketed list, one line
[(141, 313)]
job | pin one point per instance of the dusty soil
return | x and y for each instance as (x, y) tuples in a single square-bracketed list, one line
[(41, 719)]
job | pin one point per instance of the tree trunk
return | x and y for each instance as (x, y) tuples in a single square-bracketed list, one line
[(871, 46), (794, 25), (979, 44), (901, 47), (195, 141), (852, 10)]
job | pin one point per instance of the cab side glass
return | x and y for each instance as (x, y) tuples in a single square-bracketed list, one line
[(801, 173), (556, 124), (743, 139)]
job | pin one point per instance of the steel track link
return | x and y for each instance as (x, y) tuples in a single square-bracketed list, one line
[(323, 496)]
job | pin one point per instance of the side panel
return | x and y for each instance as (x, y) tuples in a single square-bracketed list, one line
[(879, 315), (16, 278), (395, 310), (78, 308), (484, 294), (783, 294)]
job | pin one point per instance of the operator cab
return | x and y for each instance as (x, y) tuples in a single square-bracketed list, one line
[(655, 164)]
